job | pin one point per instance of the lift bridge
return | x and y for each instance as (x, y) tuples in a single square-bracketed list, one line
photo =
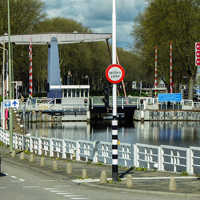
[(66, 100)]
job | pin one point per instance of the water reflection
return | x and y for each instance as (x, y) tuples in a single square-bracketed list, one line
[(168, 133), (69, 130)]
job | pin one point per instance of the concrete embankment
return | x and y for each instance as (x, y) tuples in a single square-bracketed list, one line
[(167, 115)]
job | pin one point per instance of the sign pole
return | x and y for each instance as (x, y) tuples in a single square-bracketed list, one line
[(10, 81), (114, 120)]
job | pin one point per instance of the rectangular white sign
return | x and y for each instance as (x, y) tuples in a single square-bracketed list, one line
[(13, 103)]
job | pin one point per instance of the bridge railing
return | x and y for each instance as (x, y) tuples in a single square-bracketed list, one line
[(121, 101), (162, 158), (73, 104)]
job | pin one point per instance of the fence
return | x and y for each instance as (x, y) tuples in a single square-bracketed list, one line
[(162, 158), (167, 158)]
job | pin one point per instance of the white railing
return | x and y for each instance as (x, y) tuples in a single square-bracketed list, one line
[(72, 104), (167, 158), (162, 158)]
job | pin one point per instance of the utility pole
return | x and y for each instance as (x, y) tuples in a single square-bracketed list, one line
[(10, 80)]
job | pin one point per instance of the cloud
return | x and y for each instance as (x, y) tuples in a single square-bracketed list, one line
[(97, 14)]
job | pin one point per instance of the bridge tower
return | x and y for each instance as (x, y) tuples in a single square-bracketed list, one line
[(54, 69)]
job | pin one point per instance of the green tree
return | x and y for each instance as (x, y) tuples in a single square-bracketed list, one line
[(164, 21), (25, 15)]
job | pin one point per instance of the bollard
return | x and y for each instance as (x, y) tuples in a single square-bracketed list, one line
[(103, 177), (172, 184), (84, 174), (31, 158), (22, 156), (42, 162), (13, 154), (69, 168), (129, 181), (54, 165)]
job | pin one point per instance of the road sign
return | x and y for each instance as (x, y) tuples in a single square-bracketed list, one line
[(197, 53), (115, 73), (172, 97), (14, 103)]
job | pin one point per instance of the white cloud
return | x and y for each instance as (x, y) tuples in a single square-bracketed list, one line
[(97, 14)]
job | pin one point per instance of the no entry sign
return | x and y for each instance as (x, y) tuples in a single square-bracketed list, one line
[(115, 73)]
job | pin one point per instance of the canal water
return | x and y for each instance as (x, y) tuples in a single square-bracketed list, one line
[(156, 133)]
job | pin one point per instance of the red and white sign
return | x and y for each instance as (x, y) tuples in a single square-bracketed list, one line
[(197, 53), (115, 73)]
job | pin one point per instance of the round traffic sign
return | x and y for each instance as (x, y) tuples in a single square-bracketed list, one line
[(115, 73)]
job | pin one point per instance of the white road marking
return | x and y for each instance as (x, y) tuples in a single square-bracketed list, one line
[(21, 179), (31, 187), (49, 188), (63, 193), (73, 195), (55, 191), (14, 177), (79, 198)]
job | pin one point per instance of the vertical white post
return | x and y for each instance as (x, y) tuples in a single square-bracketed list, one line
[(51, 147), (160, 159), (114, 92), (39, 146), (189, 161), (31, 144), (3, 112), (63, 149), (136, 154), (78, 158)]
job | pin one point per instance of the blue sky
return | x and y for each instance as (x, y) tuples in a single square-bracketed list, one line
[(97, 15)]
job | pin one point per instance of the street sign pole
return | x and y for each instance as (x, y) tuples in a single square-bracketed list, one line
[(10, 80), (114, 120)]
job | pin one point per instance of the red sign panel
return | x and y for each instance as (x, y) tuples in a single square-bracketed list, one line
[(115, 73)]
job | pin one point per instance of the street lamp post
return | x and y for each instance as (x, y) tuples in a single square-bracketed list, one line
[(10, 80)]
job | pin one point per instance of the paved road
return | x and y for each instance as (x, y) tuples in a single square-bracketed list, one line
[(22, 183)]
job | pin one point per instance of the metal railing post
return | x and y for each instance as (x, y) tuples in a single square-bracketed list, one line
[(51, 147), (160, 159), (78, 158), (136, 156), (63, 149), (39, 146), (189, 161)]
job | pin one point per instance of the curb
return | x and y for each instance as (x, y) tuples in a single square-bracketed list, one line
[(175, 194)]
